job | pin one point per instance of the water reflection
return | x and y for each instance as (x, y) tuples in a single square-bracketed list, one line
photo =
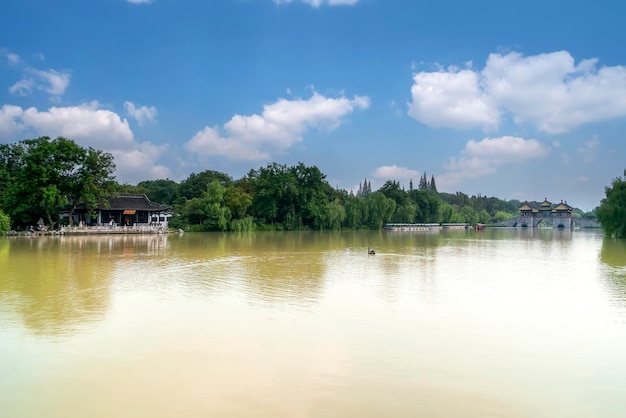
[(60, 285), (453, 324), (613, 255)]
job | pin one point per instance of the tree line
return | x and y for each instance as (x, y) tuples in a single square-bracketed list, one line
[(39, 178)]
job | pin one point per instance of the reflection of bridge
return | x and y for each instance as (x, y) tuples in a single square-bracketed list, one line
[(550, 215)]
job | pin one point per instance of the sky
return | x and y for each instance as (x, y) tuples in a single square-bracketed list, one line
[(517, 100)]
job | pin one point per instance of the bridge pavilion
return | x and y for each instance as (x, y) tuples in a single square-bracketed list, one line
[(533, 213)]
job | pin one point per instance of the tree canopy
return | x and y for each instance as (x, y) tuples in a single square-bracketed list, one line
[(42, 176), (612, 210)]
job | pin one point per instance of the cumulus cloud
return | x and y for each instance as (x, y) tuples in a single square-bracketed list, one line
[(550, 91), (138, 164), (142, 114), (318, 3), (452, 97), (393, 172), (506, 149), (482, 158), (10, 123), (280, 125), (88, 125)]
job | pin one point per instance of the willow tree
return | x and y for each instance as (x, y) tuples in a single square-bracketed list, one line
[(5, 223), (612, 210)]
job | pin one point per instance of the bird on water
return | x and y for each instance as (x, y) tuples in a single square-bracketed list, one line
[(370, 252)]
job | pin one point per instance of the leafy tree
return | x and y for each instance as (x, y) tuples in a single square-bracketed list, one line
[(90, 181), (238, 201), (502, 216), (428, 204), (356, 212), (484, 217), (380, 209), (218, 215), (163, 191), (448, 214), (335, 214), (47, 174), (612, 210), (196, 184), (5, 222), (469, 215)]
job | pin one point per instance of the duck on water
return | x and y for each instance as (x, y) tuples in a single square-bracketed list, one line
[(371, 252)]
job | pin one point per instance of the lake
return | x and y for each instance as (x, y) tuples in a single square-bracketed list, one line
[(500, 323)]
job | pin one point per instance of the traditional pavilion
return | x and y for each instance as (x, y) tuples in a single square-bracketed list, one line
[(532, 213), (125, 210)]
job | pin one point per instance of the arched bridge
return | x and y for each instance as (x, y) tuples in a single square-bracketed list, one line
[(557, 222)]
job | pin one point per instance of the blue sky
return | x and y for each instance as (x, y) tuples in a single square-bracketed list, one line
[(521, 100)]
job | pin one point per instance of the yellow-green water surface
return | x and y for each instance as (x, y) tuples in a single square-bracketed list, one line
[(503, 323)]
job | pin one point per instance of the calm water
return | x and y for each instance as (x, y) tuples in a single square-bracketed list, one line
[(496, 324)]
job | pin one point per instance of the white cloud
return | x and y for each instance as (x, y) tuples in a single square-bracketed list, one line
[(138, 164), (53, 82), (549, 91), (142, 114), (318, 3), (57, 81), (11, 57), (588, 150), (280, 125), (481, 158), (88, 125), (506, 149), (10, 121), (14, 59), (451, 98), (393, 172), (24, 87)]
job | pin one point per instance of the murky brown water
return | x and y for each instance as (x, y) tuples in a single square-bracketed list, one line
[(496, 324)]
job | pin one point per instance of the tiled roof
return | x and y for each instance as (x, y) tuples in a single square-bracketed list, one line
[(544, 206), (132, 201)]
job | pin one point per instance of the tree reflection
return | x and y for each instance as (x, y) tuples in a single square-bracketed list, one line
[(56, 285), (613, 254)]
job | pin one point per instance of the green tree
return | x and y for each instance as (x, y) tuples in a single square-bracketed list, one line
[(502, 216), (5, 222), (469, 215), (380, 210), (356, 212), (238, 201), (90, 180), (163, 191), (432, 184), (335, 214), (48, 174), (196, 184), (218, 215), (428, 204), (612, 210), (484, 217)]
